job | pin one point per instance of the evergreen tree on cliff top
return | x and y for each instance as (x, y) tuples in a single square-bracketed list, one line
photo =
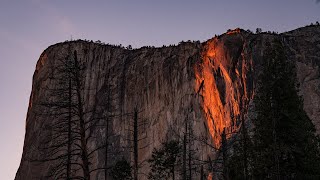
[(285, 144)]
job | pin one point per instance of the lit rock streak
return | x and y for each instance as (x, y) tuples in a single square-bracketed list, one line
[(221, 106)]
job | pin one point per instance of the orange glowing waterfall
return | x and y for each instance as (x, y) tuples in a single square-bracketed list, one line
[(221, 109)]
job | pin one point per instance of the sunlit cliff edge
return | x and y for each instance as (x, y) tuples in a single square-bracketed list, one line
[(210, 85)]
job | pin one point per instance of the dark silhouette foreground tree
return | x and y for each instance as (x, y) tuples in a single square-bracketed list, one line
[(67, 134), (164, 160), (121, 170), (59, 107), (283, 144)]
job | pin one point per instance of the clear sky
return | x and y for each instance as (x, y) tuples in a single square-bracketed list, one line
[(27, 27)]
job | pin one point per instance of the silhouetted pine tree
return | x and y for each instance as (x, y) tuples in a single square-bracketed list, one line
[(239, 164), (284, 142), (163, 161), (121, 170)]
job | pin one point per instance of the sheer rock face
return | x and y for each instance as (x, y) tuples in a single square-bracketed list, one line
[(304, 45), (208, 85)]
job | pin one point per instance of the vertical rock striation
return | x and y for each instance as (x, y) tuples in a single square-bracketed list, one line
[(224, 81)]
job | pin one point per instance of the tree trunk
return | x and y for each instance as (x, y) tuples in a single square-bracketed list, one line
[(107, 137), (190, 164), (274, 137), (244, 147), (84, 154), (173, 175), (135, 144), (224, 154), (69, 132), (201, 173), (189, 151), (184, 160), (106, 150)]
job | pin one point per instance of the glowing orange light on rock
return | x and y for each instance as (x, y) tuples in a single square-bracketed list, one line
[(235, 31), (220, 113)]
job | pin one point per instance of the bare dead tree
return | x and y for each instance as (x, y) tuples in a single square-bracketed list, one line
[(189, 164), (137, 134), (58, 108)]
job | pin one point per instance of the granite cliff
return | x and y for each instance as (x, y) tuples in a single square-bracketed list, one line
[(209, 86)]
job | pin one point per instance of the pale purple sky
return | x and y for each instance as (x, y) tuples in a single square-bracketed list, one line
[(28, 27)]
